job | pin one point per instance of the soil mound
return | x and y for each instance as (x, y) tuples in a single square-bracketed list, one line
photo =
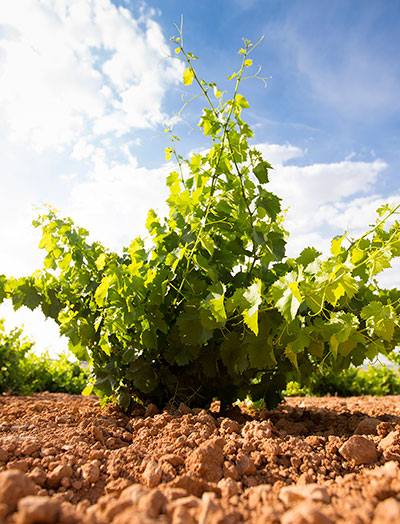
[(65, 460)]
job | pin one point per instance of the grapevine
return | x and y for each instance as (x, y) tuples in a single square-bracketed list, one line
[(214, 308)]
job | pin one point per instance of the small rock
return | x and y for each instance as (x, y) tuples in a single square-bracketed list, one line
[(38, 475), (210, 510), (206, 461), (305, 513), (114, 508), (387, 512), (29, 448), (184, 409), (245, 465), (152, 474), (367, 426), (37, 510), (98, 434), (193, 485), (132, 516), (229, 426), (360, 450), (388, 442), (228, 487), (3, 455), (90, 472), (13, 487), (68, 514), (21, 465), (290, 495), (133, 493), (189, 502), (173, 459), (182, 515), (257, 495), (115, 443), (151, 410), (229, 470), (116, 486), (152, 503), (54, 478)]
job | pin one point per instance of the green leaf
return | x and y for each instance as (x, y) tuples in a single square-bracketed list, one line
[(208, 243), (241, 101), (88, 390), (307, 256), (168, 153), (286, 296), (233, 354), (188, 76), (102, 290), (380, 319), (252, 295), (260, 348), (191, 330), (261, 172), (101, 261), (336, 245), (270, 202)]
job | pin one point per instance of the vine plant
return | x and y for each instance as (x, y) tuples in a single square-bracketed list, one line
[(214, 308)]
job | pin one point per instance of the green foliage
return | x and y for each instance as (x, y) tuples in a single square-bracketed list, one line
[(13, 350), (376, 380), (214, 308), (24, 372)]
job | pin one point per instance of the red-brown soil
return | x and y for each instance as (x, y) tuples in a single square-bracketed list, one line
[(65, 460)]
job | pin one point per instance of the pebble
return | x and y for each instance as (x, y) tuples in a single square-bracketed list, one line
[(359, 449), (55, 477), (14, 485), (387, 512), (367, 426), (206, 461), (305, 513), (389, 441), (37, 510), (38, 475), (152, 474), (90, 472), (292, 494), (152, 503)]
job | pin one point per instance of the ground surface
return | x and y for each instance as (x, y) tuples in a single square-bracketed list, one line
[(65, 460)]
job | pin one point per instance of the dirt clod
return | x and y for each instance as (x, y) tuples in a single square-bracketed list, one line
[(360, 450), (14, 485), (37, 510)]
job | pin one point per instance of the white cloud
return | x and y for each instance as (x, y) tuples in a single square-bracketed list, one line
[(68, 67), (317, 194), (114, 201), (277, 154)]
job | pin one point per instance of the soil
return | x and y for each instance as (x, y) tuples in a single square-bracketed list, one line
[(64, 459)]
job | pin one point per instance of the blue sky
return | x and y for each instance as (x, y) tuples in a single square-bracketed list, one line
[(85, 92)]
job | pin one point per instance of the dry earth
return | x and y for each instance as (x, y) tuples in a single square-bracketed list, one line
[(65, 460)]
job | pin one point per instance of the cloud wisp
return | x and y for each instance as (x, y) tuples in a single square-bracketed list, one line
[(68, 68)]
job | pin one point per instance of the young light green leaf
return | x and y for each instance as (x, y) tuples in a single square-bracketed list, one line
[(188, 76), (241, 101)]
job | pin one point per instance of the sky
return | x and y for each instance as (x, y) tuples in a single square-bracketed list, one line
[(86, 88)]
